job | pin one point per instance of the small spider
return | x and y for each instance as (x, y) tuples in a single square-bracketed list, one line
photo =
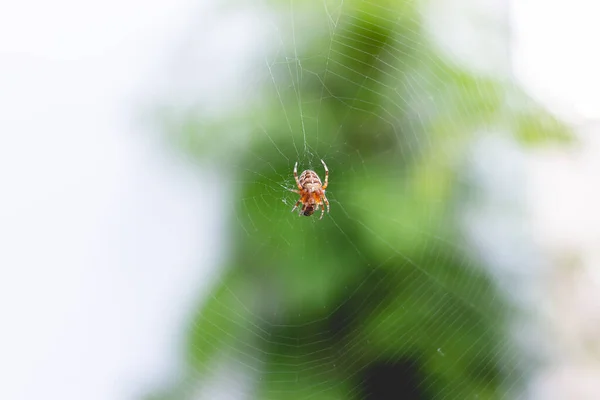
[(311, 191)]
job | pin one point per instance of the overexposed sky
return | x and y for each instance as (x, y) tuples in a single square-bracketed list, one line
[(555, 54), (102, 241)]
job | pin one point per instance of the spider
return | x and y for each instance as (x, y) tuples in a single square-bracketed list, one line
[(311, 191)]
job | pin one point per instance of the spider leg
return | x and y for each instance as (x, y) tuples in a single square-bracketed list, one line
[(297, 204), (296, 175), (326, 203), (326, 175)]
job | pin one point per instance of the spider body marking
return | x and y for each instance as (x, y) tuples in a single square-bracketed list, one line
[(311, 191)]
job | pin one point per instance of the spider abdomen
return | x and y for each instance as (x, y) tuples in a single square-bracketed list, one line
[(310, 180)]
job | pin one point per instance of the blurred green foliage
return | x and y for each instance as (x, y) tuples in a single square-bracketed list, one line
[(322, 309)]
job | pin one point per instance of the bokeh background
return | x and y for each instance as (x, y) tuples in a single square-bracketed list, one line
[(148, 249)]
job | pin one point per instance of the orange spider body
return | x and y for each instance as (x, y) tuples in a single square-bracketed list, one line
[(311, 191)]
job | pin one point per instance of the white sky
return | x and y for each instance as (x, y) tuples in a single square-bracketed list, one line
[(102, 240), (99, 232), (556, 54)]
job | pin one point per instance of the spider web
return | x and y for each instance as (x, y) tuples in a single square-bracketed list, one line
[(388, 293)]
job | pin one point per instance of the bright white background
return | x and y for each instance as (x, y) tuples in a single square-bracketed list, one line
[(103, 241), (555, 54)]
